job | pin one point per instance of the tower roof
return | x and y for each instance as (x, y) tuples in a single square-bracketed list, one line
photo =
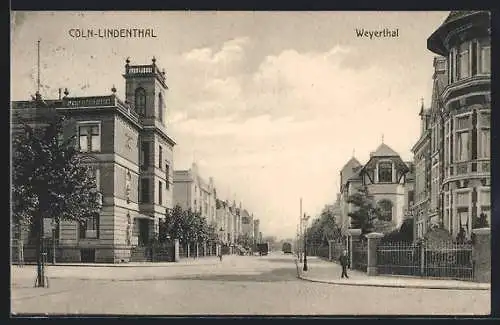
[(384, 151)]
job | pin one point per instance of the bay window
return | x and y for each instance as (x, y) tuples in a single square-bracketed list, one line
[(462, 153)]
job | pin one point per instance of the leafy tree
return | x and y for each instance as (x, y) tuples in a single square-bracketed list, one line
[(365, 212), (324, 228), (50, 180), (480, 222)]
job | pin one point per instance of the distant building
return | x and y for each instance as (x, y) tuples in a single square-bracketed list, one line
[(256, 230), (247, 225), (350, 182), (191, 191), (460, 122), (388, 180), (131, 153)]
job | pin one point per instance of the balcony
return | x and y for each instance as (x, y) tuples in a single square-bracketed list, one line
[(460, 87), (468, 168)]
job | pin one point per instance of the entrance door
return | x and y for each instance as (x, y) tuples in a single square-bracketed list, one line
[(143, 232)]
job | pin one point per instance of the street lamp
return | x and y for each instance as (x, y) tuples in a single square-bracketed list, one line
[(305, 218), (221, 235)]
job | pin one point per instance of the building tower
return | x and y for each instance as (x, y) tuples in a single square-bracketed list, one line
[(146, 92), (464, 108)]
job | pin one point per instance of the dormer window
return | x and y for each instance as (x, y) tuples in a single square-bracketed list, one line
[(385, 172), (140, 101)]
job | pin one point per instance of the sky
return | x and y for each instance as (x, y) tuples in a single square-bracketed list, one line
[(270, 104)]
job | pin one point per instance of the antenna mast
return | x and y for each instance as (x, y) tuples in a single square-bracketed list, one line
[(38, 65)]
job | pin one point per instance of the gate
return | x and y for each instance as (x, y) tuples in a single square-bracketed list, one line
[(359, 256), (441, 260)]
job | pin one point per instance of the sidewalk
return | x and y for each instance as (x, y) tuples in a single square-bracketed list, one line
[(204, 260), (329, 272)]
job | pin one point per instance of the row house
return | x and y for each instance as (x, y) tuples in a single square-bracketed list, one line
[(458, 124), (388, 180), (191, 191), (131, 154)]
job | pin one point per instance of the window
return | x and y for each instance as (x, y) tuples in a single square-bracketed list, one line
[(90, 140), (452, 66), (485, 59), (462, 146), (463, 199), (145, 155), (145, 190), (463, 64), (160, 190), (140, 101), (90, 227), (484, 143), (385, 172), (160, 107), (410, 198), (474, 59), (160, 158), (167, 176), (385, 208)]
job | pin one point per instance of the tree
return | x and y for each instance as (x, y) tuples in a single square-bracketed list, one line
[(50, 180), (324, 228), (365, 212), (480, 222)]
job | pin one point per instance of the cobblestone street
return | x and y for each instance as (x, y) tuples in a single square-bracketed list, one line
[(240, 285)]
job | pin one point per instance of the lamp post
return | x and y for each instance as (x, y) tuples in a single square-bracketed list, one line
[(305, 268), (221, 234)]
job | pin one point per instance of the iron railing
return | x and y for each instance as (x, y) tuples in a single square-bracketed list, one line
[(440, 260)]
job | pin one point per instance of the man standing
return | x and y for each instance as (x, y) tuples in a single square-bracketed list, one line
[(344, 262)]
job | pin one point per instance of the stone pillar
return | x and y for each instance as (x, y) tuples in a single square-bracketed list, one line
[(176, 251), (481, 254), (373, 241), (354, 235), (330, 254)]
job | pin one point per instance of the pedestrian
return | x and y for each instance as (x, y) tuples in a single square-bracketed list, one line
[(220, 256), (344, 262)]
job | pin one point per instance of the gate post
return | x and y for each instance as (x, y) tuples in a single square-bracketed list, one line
[(373, 241), (354, 235), (481, 254), (422, 258)]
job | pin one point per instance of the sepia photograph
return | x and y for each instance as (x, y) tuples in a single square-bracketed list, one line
[(250, 163)]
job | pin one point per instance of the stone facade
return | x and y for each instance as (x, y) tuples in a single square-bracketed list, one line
[(110, 133), (388, 180), (460, 122), (191, 191)]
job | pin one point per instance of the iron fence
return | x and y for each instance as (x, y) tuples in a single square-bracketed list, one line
[(359, 256), (336, 249), (441, 260)]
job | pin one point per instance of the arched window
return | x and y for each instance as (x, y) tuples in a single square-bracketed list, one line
[(140, 100), (385, 208), (385, 172), (160, 107)]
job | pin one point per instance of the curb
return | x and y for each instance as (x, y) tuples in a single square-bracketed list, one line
[(388, 285), (152, 264)]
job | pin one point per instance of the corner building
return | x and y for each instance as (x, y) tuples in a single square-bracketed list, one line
[(127, 144), (461, 127)]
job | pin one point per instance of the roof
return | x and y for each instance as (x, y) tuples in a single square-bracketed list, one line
[(457, 14), (384, 151), (455, 18), (353, 162)]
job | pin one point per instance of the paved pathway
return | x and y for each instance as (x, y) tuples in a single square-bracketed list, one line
[(240, 285), (320, 270)]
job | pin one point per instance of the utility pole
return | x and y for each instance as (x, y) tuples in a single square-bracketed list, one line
[(300, 232), (38, 65)]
